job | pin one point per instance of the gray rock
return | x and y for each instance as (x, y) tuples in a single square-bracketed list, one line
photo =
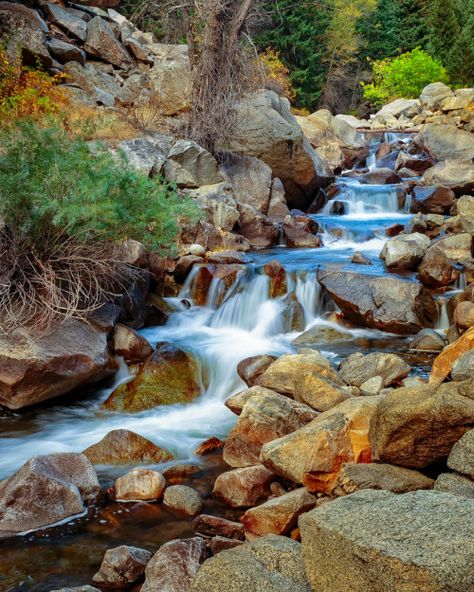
[(405, 251), (357, 368), (102, 43), (245, 487), (455, 484), (376, 541), (85, 588), (251, 179), (433, 95), (122, 566), (400, 107), (171, 77), (183, 499), (456, 174), (372, 386), (66, 52), (46, 490), (461, 457), (428, 340), (191, 166), (173, 567), (143, 155), (277, 208), (463, 367), (66, 20), (268, 564)]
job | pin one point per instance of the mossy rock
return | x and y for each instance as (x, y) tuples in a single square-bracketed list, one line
[(168, 377)]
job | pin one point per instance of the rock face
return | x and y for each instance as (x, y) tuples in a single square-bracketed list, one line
[(46, 490), (386, 303), (266, 129), (416, 427), (381, 542), (169, 376), (242, 488), (269, 564), (123, 447), (140, 484), (122, 566), (173, 567), (357, 368), (405, 251), (33, 370)]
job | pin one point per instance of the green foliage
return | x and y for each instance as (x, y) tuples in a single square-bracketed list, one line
[(403, 77), (460, 61), (50, 183), (444, 28)]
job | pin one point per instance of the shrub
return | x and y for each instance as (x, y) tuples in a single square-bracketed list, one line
[(403, 77), (276, 74), (66, 212)]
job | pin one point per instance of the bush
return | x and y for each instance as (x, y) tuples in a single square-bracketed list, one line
[(276, 74), (403, 77), (66, 213)]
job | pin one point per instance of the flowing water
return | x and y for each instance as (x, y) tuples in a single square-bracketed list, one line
[(234, 324)]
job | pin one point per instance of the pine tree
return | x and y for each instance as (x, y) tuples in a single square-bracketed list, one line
[(444, 28), (461, 58)]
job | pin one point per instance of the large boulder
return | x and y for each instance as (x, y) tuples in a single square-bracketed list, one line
[(242, 488), (37, 368), (46, 490), (322, 129), (381, 542), (69, 21), (455, 484), (218, 202), (436, 269), (431, 200), (445, 361), (417, 426), (390, 304), (461, 457), (313, 454), (168, 377), (433, 95), (252, 181), (463, 367), (357, 368), (122, 566), (268, 564), (456, 174), (265, 128), (101, 43), (191, 166), (400, 108), (171, 77), (405, 251), (446, 142)]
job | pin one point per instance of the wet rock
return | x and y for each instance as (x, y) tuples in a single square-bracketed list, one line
[(455, 484), (381, 176), (432, 200), (416, 164), (277, 208), (46, 490), (251, 179), (66, 52), (216, 526), (446, 142), (427, 340), (168, 377), (444, 362), (357, 368), (140, 484), (278, 515), (171, 77), (297, 235), (269, 564), (277, 274), (209, 445), (37, 368), (313, 454), (415, 540), (174, 566), (461, 457), (122, 566), (386, 303), (191, 166), (456, 174), (463, 367), (250, 369), (405, 251), (66, 20), (457, 247), (463, 315), (123, 447), (293, 314), (85, 588), (354, 477), (360, 259), (436, 270), (131, 345), (218, 544), (242, 488), (183, 499), (416, 427), (321, 334), (264, 417), (178, 471)]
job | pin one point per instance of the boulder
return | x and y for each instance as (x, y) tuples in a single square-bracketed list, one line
[(191, 166), (436, 269), (218, 202), (264, 417), (461, 457), (278, 515), (67, 20), (381, 176), (218, 544), (372, 386), (462, 98), (386, 303), (131, 345), (433, 95), (431, 200), (182, 499), (252, 181), (208, 525), (122, 566), (444, 362), (455, 174), (168, 377), (455, 484), (313, 454), (242, 488), (140, 484), (144, 155), (463, 367), (46, 490), (358, 368), (319, 392), (400, 108), (446, 142), (266, 129), (405, 251), (171, 77), (237, 402), (269, 564), (463, 316), (354, 477), (65, 52), (102, 43), (278, 280), (427, 340), (383, 542), (277, 208), (174, 566), (322, 129), (37, 368), (456, 247), (319, 334), (416, 427), (257, 228), (123, 447), (298, 235)]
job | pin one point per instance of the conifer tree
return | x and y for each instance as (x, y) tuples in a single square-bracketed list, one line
[(444, 28)]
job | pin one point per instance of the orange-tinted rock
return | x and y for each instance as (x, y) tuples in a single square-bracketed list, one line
[(242, 488), (202, 281), (464, 315), (212, 443), (208, 525), (277, 274), (250, 369), (443, 363), (130, 344), (236, 402)]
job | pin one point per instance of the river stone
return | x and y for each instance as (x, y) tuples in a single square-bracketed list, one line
[(140, 484), (173, 567), (268, 564), (446, 141), (428, 340), (455, 484), (313, 454), (236, 402), (250, 369), (463, 367), (372, 386), (131, 345), (463, 315), (405, 251), (245, 487), (318, 392), (321, 334), (46, 490), (264, 417), (457, 247), (183, 499), (456, 174), (432, 200), (208, 525), (436, 269), (123, 447), (444, 362), (122, 566), (357, 368), (461, 457), (416, 427), (168, 377), (354, 477), (191, 166), (381, 542), (278, 515), (386, 303)]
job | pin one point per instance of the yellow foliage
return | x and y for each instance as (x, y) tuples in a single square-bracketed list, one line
[(277, 75)]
